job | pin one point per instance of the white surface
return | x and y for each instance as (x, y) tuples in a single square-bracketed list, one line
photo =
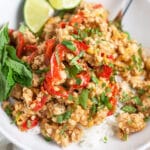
[(137, 22)]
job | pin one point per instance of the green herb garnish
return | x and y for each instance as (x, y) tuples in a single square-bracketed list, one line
[(94, 78), (83, 98), (137, 100), (129, 109), (105, 139), (48, 139), (69, 45), (78, 81), (64, 117), (12, 69)]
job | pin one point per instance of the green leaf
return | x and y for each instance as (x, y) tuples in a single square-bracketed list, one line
[(83, 98), (75, 59), (10, 82), (129, 109), (8, 110), (2, 87), (70, 97), (94, 78), (64, 117), (4, 37), (69, 45), (78, 81), (48, 139), (73, 71), (22, 74), (137, 100), (22, 28)]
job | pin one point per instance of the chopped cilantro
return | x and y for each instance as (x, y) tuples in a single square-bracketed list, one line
[(137, 62), (8, 110)]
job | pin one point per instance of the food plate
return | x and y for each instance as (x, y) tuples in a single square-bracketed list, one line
[(30, 141)]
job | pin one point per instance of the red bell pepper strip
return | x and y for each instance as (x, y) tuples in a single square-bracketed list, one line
[(85, 79), (25, 125), (115, 89), (30, 47), (39, 104), (113, 102), (20, 44), (49, 49), (81, 45), (97, 6), (105, 72), (78, 18)]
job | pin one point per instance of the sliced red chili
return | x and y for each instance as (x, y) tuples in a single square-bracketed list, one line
[(25, 125), (39, 104), (105, 72), (81, 45), (49, 49), (20, 44)]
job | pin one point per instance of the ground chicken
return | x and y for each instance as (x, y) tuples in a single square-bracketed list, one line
[(130, 123)]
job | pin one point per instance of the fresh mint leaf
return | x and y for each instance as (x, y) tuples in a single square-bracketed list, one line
[(2, 86), (22, 74), (4, 37)]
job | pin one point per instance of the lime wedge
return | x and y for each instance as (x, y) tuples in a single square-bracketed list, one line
[(64, 4), (36, 13)]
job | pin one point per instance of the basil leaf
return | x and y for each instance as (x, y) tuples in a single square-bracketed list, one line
[(2, 87), (69, 45), (22, 74), (83, 98), (10, 82), (129, 109), (4, 37)]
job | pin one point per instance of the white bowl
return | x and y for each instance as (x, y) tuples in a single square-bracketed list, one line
[(136, 21)]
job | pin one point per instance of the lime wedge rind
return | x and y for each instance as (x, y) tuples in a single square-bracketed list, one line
[(36, 13), (64, 4)]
